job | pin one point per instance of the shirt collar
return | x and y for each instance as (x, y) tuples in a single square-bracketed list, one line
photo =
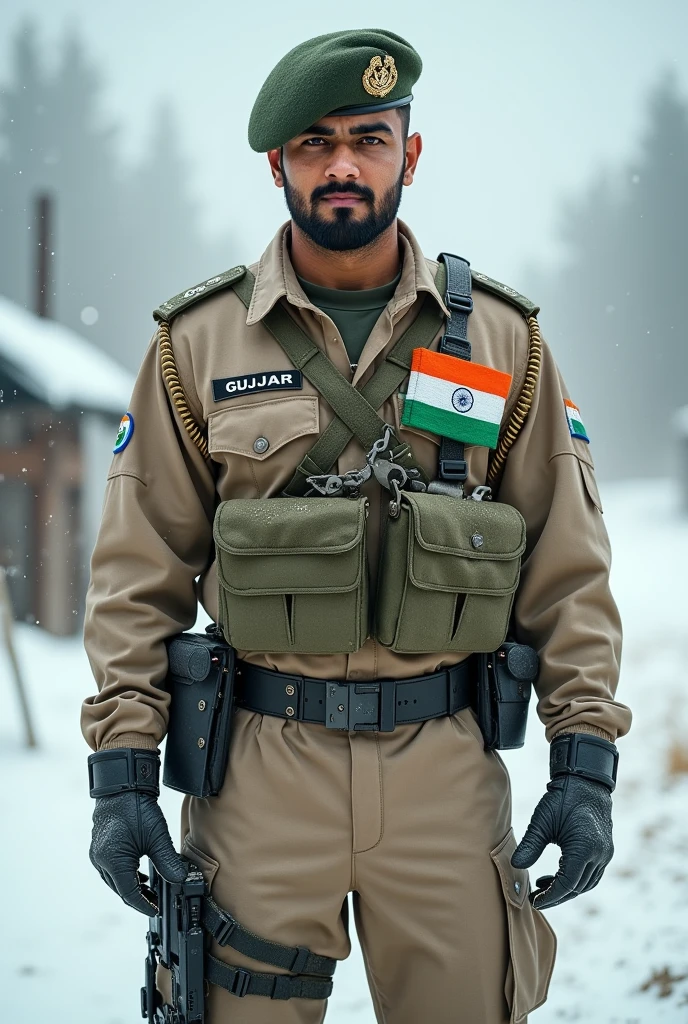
[(275, 277)]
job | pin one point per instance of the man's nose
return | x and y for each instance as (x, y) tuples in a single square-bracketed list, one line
[(342, 165)]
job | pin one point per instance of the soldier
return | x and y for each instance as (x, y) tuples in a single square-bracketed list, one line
[(412, 816)]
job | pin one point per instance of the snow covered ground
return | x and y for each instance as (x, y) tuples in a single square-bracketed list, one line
[(72, 953)]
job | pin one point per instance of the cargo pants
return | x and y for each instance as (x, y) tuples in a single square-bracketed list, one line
[(416, 824)]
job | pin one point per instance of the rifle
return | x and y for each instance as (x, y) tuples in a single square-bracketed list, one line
[(176, 942)]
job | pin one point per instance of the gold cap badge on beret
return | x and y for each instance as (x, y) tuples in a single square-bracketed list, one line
[(325, 77), (378, 78)]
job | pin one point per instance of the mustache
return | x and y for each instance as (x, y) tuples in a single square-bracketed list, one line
[(350, 186)]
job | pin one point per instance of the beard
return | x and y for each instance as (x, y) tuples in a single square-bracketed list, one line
[(344, 232)]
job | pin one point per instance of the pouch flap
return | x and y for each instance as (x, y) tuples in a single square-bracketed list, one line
[(189, 661), (289, 526), (290, 545), (465, 546)]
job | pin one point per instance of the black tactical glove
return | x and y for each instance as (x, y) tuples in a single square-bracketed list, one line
[(576, 814), (128, 824)]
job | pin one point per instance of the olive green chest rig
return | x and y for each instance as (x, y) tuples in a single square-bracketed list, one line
[(293, 571)]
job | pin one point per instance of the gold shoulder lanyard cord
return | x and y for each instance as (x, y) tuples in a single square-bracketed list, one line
[(518, 417), (523, 405), (170, 375)]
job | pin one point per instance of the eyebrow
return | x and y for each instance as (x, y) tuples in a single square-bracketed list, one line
[(366, 129), (318, 129), (358, 129)]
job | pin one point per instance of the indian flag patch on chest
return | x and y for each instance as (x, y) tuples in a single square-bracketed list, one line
[(454, 398), (576, 425)]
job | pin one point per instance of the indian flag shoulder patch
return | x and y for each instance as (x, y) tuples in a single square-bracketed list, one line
[(454, 398), (576, 425)]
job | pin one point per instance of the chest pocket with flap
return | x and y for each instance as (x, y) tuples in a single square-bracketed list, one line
[(259, 444), (277, 421)]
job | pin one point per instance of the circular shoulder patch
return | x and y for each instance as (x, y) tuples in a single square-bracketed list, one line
[(126, 429)]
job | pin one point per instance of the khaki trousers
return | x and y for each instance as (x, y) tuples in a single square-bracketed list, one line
[(416, 823)]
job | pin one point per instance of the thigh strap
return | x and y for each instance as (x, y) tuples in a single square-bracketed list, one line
[(241, 982)]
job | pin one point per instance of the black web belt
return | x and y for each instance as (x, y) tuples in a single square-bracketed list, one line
[(378, 705)]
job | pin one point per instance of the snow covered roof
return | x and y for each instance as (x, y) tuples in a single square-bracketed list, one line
[(57, 365)]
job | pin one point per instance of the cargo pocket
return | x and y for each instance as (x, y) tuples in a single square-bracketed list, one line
[(532, 942)]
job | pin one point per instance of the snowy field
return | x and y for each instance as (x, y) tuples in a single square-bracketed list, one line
[(72, 953)]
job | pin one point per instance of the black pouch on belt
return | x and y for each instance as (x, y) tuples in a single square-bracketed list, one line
[(503, 693), (201, 684)]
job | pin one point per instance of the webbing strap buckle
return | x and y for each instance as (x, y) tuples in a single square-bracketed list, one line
[(459, 303), (281, 987), (360, 707), (240, 982), (453, 469), (224, 931)]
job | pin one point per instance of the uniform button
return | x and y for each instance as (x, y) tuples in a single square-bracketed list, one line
[(355, 674), (260, 445), (477, 540)]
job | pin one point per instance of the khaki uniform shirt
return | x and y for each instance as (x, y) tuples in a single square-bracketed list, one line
[(154, 555)]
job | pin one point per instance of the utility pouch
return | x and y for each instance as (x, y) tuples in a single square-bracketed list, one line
[(448, 573), (201, 683), (503, 693), (292, 574)]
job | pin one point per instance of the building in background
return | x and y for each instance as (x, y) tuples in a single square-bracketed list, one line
[(61, 400)]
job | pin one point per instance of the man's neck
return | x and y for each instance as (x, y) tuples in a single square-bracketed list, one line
[(354, 269)]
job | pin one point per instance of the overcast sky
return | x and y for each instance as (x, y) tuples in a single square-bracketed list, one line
[(519, 103)]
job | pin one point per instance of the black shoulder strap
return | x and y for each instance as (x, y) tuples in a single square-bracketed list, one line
[(452, 464)]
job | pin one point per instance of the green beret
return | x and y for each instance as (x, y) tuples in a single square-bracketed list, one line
[(355, 72)]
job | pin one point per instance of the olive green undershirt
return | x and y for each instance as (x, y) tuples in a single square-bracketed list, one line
[(354, 313)]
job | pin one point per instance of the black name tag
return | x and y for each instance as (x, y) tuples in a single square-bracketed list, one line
[(271, 380)]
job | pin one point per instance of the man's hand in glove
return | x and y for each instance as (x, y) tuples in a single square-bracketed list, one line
[(576, 814), (128, 825)]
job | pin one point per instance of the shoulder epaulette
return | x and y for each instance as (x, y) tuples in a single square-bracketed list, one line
[(168, 310), (503, 291)]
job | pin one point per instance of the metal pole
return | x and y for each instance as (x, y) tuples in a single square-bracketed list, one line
[(7, 621), (43, 260)]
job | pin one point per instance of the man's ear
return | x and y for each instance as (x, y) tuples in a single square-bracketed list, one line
[(414, 147), (275, 161)]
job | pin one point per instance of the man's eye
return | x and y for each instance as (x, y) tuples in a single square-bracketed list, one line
[(316, 141), (371, 140)]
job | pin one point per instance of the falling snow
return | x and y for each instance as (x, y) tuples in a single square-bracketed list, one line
[(623, 948)]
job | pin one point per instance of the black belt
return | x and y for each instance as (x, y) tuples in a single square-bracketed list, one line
[(378, 705)]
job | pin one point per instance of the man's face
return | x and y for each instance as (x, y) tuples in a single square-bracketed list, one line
[(343, 176)]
